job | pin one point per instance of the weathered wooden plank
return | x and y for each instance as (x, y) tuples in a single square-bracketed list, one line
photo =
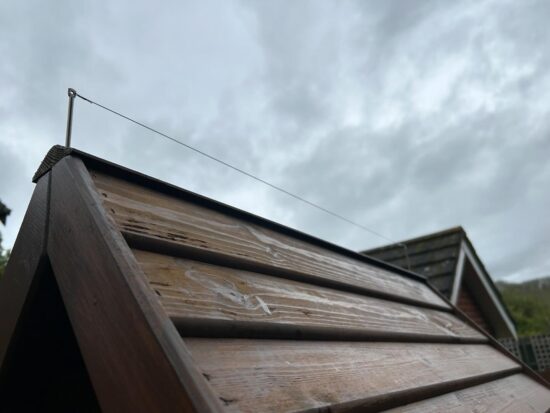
[(142, 212), (131, 349), (514, 394), (282, 376), (209, 299)]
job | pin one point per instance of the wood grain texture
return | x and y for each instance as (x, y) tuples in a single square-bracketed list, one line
[(283, 376), (143, 212), (24, 264), (513, 394), (131, 349), (210, 299)]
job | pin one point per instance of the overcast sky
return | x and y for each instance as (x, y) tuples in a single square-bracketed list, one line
[(406, 116)]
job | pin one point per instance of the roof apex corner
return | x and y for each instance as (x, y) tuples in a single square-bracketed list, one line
[(54, 155)]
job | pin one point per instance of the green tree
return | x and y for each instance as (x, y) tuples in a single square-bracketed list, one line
[(4, 255), (529, 303)]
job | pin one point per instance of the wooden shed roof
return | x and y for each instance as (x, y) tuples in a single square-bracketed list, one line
[(180, 303)]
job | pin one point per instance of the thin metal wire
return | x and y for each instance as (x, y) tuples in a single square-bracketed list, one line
[(263, 181)]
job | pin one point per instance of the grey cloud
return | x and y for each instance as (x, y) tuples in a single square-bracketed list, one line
[(407, 117)]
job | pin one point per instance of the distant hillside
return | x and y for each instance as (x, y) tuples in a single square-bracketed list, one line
[(529, 303)]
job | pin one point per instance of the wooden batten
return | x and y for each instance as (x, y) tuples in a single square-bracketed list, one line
[(205, 299)]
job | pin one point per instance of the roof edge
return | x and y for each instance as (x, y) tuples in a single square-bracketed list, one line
[(58, 152)]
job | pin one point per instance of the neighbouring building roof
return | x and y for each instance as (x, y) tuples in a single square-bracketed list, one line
[(450, 263), (124, 293)]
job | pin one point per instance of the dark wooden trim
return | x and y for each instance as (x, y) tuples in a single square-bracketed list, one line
[(24, 266), (122, 331)]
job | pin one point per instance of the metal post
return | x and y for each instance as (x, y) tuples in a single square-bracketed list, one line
[(72, 94)]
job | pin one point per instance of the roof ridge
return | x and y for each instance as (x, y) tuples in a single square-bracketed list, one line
[(457, 229), (54, 155)]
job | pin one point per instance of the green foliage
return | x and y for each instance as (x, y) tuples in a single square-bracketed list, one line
[(529, 303), (4, 212), (4, 256)]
